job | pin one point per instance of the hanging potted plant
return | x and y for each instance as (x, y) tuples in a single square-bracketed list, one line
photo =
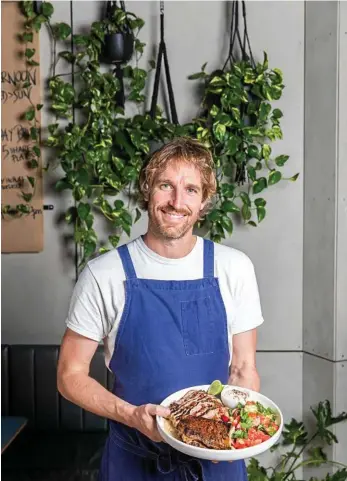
[(119, 38), (238, 123)]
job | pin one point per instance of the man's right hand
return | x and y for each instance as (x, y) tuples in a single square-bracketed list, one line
[(143, 419)]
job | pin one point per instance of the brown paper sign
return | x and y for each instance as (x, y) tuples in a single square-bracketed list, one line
[(25, 233)]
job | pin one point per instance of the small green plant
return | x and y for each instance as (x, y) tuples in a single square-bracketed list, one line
[(300, 450)]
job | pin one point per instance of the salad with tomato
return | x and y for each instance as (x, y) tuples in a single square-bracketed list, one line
[(250, 424)]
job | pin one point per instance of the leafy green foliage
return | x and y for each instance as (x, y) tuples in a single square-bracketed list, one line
[(237, 123), (301, 452), (101, 150), (33, 24)]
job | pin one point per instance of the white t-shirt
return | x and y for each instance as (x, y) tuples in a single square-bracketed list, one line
[(98, 298)]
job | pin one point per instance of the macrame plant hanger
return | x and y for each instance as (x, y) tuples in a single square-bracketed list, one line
[(162, 53), (246, 54), (244, 45)]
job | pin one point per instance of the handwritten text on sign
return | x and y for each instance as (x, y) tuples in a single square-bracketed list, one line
[(20, 90)]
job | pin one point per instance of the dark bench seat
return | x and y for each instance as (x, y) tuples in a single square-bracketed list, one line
[(61, 441)]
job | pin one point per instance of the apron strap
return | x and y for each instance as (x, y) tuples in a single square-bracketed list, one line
[(128, 265), (208, 259)]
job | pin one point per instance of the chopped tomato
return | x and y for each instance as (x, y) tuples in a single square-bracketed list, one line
[(240, 443), (265, 437), (257, 435), (255, 442), (252, 434), (265, 420)]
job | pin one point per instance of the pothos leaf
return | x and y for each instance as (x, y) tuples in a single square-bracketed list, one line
[(138, 215)]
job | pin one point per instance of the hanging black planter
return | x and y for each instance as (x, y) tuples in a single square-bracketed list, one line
[(119, 47)]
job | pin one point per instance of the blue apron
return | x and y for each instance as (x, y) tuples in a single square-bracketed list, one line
[(172, 335)]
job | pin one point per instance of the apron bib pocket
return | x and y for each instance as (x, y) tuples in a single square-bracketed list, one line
[(198, 326)]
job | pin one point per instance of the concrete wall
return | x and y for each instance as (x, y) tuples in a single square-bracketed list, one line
[(325, 213), (37, 287)]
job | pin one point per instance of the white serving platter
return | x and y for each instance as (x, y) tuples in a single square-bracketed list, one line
[(220, 454)]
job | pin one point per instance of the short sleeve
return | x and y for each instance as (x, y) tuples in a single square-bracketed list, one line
[(87, 313), (247, 314)]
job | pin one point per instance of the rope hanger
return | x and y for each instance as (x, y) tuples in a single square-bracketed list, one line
[(244, 45), (163, 53)]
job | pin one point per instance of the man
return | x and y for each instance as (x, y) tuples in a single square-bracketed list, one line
[(171, 309)]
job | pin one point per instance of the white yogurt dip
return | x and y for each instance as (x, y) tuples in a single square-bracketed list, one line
[(231, 396)]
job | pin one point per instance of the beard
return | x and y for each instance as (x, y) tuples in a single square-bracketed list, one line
[(167, 230)]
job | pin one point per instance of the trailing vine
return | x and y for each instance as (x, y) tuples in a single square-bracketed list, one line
[(237, 123), (102, 153), (101, 149)]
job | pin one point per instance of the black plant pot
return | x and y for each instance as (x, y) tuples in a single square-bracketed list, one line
[(119, 47)]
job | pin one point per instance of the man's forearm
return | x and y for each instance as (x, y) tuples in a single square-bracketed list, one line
[(245, 376), (87, 393)]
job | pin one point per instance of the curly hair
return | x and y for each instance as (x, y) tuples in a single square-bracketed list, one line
[(180, 149)]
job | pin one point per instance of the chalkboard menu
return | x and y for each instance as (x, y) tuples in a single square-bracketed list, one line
[(19, 233)]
